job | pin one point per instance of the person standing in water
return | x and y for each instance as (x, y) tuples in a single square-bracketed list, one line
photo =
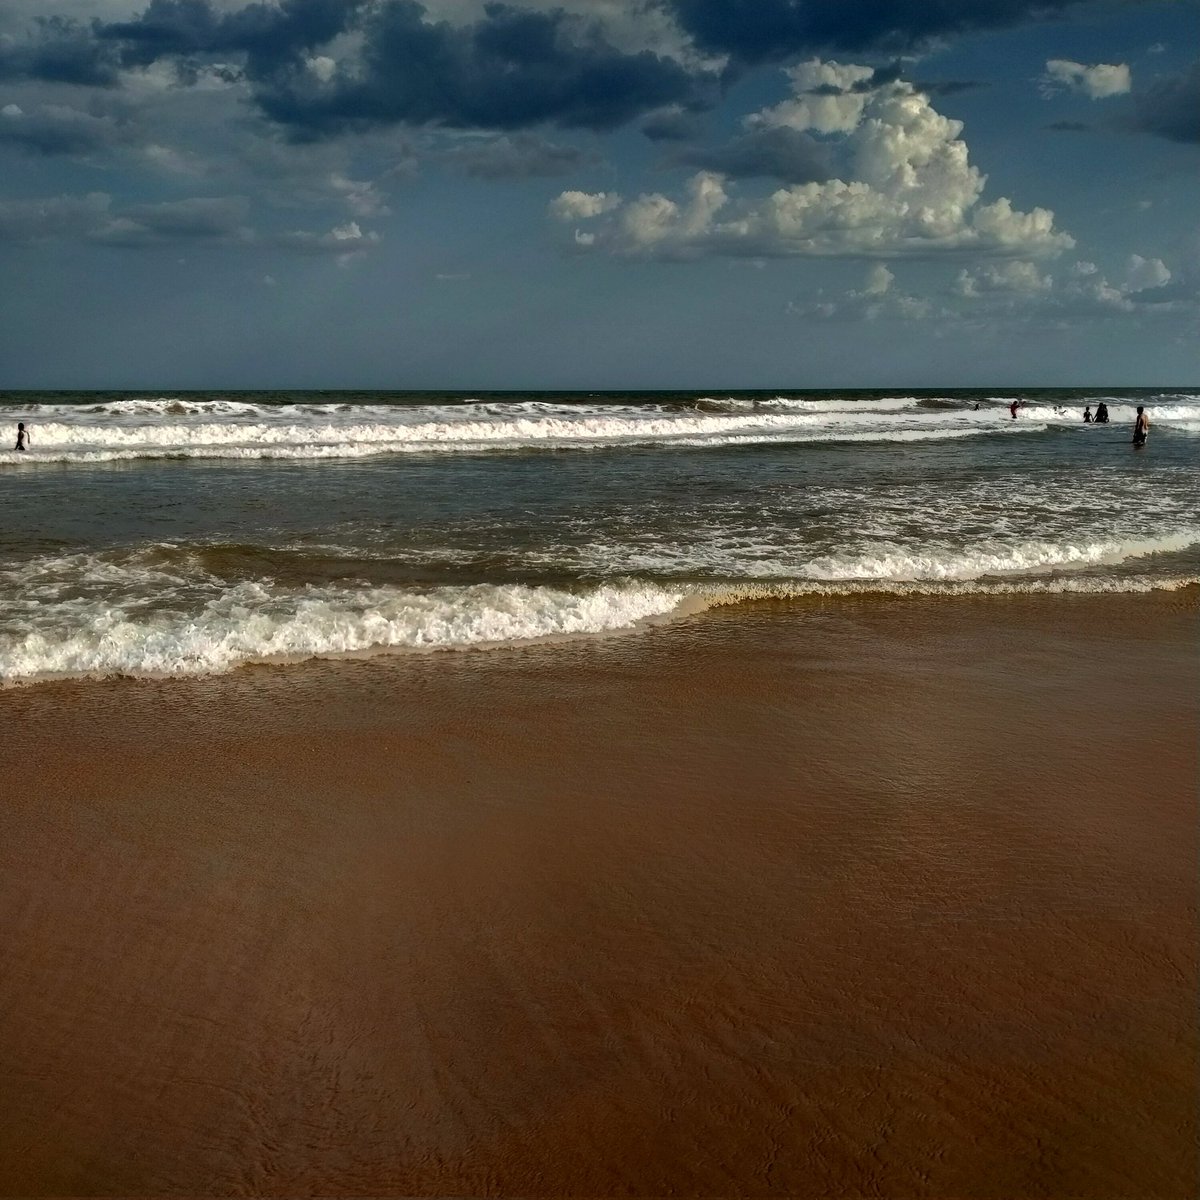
[(1012, 408), (1101, 414), (22, 437), (1141, 427), (1087, 415)]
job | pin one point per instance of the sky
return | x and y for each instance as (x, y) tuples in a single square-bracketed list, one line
[(599, 194)]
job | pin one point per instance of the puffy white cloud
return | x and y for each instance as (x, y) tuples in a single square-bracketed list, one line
[(1142, 274), (1018, 287), (1099, 81), (1016, 278), (910, 190), (1143, 289), (879, 280), (323, 67), (829, 98), (1018, 291), (581, 206)]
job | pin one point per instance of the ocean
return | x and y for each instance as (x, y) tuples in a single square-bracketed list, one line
[(193, 532)]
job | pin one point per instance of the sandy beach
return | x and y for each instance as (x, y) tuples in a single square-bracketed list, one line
[(849, 898)]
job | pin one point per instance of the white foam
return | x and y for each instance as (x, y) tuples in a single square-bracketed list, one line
[(1088, 585), (892, 563), (251, 433), (170, 427), (873, 553), (257, 622), (158, 611)]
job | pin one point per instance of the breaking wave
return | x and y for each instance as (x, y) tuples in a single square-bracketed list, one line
[(161, 429), (161, 611), (257, 622), (172, 427)]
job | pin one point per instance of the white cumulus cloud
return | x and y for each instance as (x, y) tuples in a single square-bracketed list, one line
[(582, 206), (1098, 81), (1017, 277), (829, 98), (1084, 290), (879, 280), (908, 189), (1142, 274)]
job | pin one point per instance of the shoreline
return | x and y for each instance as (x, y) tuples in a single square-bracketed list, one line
[(694, 600), (841, 897)]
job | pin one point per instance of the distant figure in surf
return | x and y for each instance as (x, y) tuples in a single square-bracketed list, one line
[(1101, 417), (1012, 408), (1141, 428), (1087, 415), (22, 437)]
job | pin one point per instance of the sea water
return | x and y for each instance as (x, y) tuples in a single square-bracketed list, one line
[(193, 532)]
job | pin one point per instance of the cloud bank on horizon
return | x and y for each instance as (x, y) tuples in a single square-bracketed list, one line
[(805, 138)]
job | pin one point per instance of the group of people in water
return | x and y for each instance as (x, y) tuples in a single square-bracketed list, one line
[(1141, 426)]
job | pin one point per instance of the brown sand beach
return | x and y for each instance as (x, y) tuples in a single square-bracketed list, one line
[(856, 898)]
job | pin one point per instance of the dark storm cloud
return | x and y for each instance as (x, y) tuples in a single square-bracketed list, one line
[(516, 156), (60, 51), (755, 31), (776, 153), (207, 219), (671, 124), (268, 35), (512, 69), (57, 129), (1170, 107)]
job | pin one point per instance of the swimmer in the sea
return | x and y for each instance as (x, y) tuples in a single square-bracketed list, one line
[(22, 437), (1087, 415), (1141, 427)]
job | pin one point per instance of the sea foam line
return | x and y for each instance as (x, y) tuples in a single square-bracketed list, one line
[(255, 623), (251, 625), (308, 443)]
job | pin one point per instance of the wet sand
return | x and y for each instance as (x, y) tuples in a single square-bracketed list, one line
[(856, 899)]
